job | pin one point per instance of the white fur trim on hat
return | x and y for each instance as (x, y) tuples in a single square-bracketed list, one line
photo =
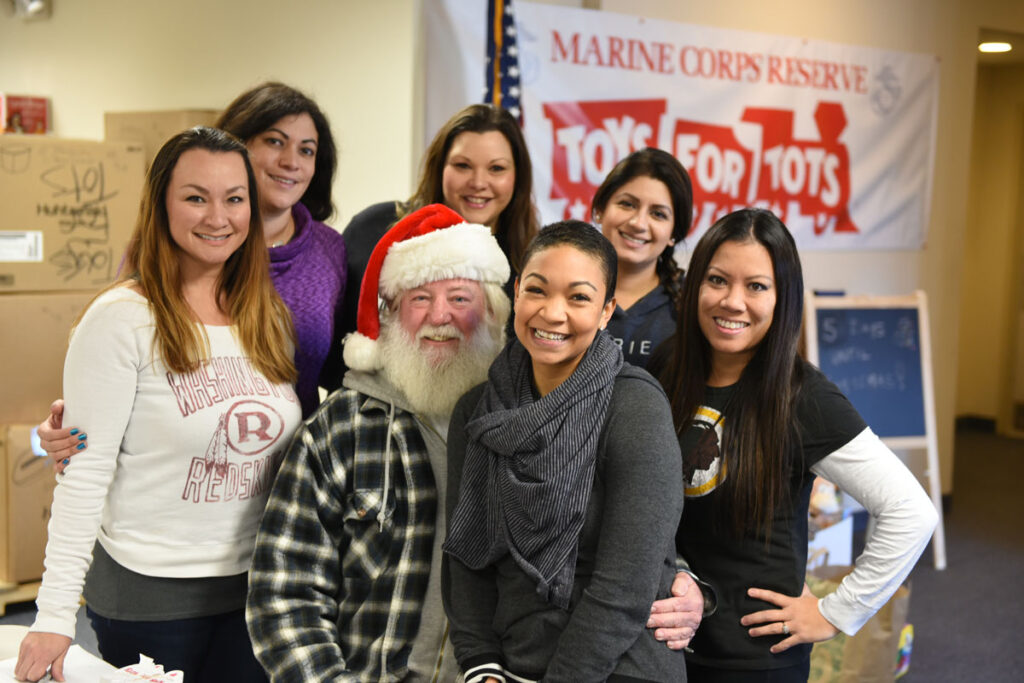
[(361, 352), (461, 251)]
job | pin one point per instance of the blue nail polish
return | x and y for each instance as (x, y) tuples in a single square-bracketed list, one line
[(80, 446), (82, 437), (73, 432), (65, 461)]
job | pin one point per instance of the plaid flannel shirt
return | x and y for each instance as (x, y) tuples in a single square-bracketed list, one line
[(343, 554)]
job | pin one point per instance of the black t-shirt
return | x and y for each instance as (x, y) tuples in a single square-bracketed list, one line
[(826, 422), (639, 329)]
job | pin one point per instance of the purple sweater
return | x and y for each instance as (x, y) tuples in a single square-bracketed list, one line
[(310, 273)]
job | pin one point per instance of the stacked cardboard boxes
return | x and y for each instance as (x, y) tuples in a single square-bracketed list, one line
[(152, 129), (67, 209), (25, 511)]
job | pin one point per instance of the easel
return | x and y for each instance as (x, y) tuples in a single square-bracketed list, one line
[(816, 306)]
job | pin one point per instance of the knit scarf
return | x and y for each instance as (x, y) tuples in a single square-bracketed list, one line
[(529, 467)]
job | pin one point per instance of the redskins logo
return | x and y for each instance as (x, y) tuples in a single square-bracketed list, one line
[(703, 469), (252, 427)]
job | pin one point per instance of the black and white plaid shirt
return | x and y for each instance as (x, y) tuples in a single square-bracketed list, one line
[(343, 555)]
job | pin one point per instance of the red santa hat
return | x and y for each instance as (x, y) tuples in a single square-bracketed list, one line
[(431, 244)]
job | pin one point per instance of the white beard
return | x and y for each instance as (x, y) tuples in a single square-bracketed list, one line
[(433, 382)]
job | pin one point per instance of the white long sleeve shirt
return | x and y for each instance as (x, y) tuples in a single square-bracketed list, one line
[(904, 520), (178, 467)]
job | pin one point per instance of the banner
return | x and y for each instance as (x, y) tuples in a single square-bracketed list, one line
[(837, 140)]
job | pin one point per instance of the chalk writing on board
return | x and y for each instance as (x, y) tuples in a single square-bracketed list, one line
[(873, 357), (906, 333)]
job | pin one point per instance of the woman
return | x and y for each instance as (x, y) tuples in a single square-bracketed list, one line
[(756, 423), (644, 208), (553, 575), (293, 155), (182, 373), (478, 165), (292, 152)]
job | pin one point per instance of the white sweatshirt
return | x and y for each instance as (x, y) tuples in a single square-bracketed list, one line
[(178, 467)]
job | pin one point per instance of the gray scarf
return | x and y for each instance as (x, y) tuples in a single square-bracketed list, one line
[(529, 467)]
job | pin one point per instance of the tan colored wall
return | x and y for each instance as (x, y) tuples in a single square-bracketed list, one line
[(354, 57), (990, 293)]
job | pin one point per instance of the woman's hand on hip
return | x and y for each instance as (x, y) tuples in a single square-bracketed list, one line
[(798, 618)]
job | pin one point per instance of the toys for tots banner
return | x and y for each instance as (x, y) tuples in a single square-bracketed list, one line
[(837, 140)]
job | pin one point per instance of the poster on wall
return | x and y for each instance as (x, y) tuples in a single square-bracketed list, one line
[(838, 140)]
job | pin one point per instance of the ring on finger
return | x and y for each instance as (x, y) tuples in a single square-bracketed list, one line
[(785, 628)]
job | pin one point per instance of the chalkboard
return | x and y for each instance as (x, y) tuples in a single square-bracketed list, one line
[(877, 351), (874, 356)]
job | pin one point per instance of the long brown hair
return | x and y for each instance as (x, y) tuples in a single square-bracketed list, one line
[(256, 110), (759, 432), (518, 223), (260, 319), (662, 166)]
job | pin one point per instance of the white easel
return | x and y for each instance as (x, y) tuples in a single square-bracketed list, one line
[(926, 441)]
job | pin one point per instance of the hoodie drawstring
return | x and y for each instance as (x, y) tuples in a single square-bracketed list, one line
[(387, 469)]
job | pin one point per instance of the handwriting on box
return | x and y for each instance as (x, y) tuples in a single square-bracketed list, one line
[(80, 197)]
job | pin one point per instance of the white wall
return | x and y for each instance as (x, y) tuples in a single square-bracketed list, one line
[(355, 58)]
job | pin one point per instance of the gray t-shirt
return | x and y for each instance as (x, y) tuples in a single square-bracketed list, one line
[(116, 592)]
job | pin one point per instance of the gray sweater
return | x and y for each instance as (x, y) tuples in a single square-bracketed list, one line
[(626, 559)]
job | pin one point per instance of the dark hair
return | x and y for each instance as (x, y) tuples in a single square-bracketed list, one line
[(582, 237), (256, 110), (518, 223), (759, 432), (662, 166), (259, 317)]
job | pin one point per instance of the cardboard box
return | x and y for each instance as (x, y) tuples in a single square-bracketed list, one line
[(34, 332), (24, 114), (67, 209), (28, 487), (153, 128)]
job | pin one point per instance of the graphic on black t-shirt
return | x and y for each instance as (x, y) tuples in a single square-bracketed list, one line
[(703, 470)]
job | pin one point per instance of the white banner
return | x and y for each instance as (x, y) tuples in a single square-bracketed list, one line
[(838, 140)]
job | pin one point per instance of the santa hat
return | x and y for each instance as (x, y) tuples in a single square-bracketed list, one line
[(428, 245)]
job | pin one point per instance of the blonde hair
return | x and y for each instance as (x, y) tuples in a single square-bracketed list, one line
[(259, 318)]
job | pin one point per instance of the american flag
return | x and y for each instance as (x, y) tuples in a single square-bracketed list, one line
[(502, 59)]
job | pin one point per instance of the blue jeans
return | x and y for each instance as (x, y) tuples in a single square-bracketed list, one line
[(213, 648)]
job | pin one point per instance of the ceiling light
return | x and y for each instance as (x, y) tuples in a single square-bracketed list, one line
[(995, 47)]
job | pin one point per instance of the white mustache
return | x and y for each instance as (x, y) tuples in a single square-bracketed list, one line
[(442, 331)]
